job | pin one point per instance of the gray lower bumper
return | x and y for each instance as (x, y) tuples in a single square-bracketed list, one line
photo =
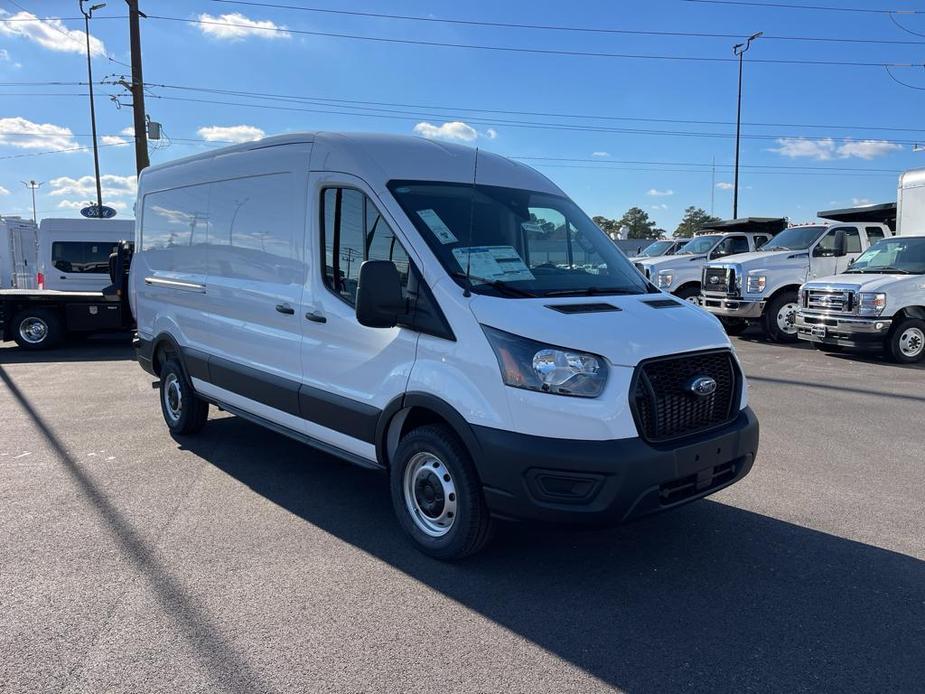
[(731, 308), (839, 330)]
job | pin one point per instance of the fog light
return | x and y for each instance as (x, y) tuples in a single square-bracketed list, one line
[(879, 326)]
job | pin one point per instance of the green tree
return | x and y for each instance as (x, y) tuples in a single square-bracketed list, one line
[(693, 221), (638, 223), (610, 226)]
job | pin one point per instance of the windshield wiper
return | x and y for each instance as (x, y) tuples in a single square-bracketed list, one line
[(500, 285), (590, 291), (885, 270)]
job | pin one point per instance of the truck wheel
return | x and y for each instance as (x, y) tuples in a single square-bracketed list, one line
[(906, 343), (691, 294), (734, 326), (184, 412), (38, 328), (437, 494), (780, 318)]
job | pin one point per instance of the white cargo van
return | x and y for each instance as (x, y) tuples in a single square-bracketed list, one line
[(444, 314), (74, 253), (18, 253)]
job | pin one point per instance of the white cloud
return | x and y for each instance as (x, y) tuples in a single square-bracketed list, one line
[(725, 185), (454, 130), (867, 149), (235, 26), (22, 133), (4, 191), (4, 55), (826, 148), (50, 34), (230, 133), (661, 206), (858, 202), (491, 133), (655, 193), (113, 140), (128, 132), (78, 205), (600, 155), (85, 186)]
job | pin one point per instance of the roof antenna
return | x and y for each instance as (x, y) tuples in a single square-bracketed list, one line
[(475, 173)]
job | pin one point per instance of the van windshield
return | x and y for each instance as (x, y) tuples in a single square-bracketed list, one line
[(902, 256), (698, 245), (516, 243), (656, 249), (794, 239)]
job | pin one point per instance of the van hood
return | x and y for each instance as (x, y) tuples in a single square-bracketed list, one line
[(635, 332), (862, 282)]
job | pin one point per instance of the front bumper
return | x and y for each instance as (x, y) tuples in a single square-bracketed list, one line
[(721, 305), (609, 482), (844, 331)]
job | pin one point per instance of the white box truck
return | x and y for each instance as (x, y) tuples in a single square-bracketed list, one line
[(18, 253)]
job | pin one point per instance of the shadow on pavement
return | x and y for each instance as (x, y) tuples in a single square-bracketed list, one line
[(103, 347), (707, 598)]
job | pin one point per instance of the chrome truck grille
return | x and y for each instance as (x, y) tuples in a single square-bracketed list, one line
[(828, 300), (718, 280)]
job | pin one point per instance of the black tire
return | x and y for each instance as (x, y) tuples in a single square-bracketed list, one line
[(184, 412), (774, 315), (688, 293), (906, 343), (734, 326), (38, 328), (421, 456), (828, 349)]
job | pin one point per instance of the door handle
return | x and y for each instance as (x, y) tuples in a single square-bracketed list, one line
[(316, 318), (285, 308)]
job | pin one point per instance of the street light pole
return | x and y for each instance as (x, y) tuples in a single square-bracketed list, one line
[(33, 185), (739, 50), (96, 154)]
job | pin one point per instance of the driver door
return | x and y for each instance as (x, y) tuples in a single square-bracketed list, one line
[(824, 262)]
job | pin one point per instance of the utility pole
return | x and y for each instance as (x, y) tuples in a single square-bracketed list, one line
[(739, 50), (96, 153), (713, 186), (33, 185), (138, 88)]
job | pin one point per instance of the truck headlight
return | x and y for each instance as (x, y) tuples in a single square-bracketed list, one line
[(871, 304), (664, 279), (755, 284), (545, 368)]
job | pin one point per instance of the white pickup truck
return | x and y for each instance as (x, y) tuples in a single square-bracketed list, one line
[(763, 287), (877, 304), (680, 273)]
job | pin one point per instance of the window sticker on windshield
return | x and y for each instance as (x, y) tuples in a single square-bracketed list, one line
[(493, 263), (436, 225)]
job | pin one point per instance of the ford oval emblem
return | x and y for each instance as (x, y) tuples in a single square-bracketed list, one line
[(702, 386)]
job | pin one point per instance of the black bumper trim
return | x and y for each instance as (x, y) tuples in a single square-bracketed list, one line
[(634, 478)]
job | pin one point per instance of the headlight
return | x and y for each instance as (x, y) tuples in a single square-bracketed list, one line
[(546, 368), (664, 279), (755, 284), (870, 304)]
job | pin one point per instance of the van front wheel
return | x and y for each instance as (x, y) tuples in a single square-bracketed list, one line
[(184, 412), (437, 495)]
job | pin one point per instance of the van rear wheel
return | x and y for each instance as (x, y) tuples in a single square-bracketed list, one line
[(437, 495), (184, 411), (38, 328)]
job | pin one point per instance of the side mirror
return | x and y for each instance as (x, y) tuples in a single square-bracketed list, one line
[(379, 299), (841, 244)]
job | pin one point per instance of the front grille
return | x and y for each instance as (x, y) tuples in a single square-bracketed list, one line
[(719, 279), (664, 405), (828, 300)]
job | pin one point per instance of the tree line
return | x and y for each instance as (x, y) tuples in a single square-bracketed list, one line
[(642, 227)]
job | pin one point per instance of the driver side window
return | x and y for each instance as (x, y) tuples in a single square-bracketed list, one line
[(730, 246)]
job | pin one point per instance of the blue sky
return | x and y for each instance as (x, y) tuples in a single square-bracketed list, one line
[(604, 163)]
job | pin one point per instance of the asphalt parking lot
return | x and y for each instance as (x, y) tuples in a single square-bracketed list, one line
[(242, 561)]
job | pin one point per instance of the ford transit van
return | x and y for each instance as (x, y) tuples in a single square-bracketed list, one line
[(443, 314)]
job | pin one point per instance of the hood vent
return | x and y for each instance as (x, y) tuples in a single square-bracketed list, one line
[(663, 303), (583, 308)]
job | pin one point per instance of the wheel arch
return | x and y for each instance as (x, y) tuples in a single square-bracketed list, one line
[(795, 288), (164, 346), (917, 312)]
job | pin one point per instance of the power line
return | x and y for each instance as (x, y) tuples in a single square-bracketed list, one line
[(515, 49), (789, 6), (900, 82), (551, 27)]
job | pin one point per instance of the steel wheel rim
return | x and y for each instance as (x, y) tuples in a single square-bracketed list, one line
[(33, 330), (173, 397), (693, 299), (912, 342), (786, 318), (430, 494)]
